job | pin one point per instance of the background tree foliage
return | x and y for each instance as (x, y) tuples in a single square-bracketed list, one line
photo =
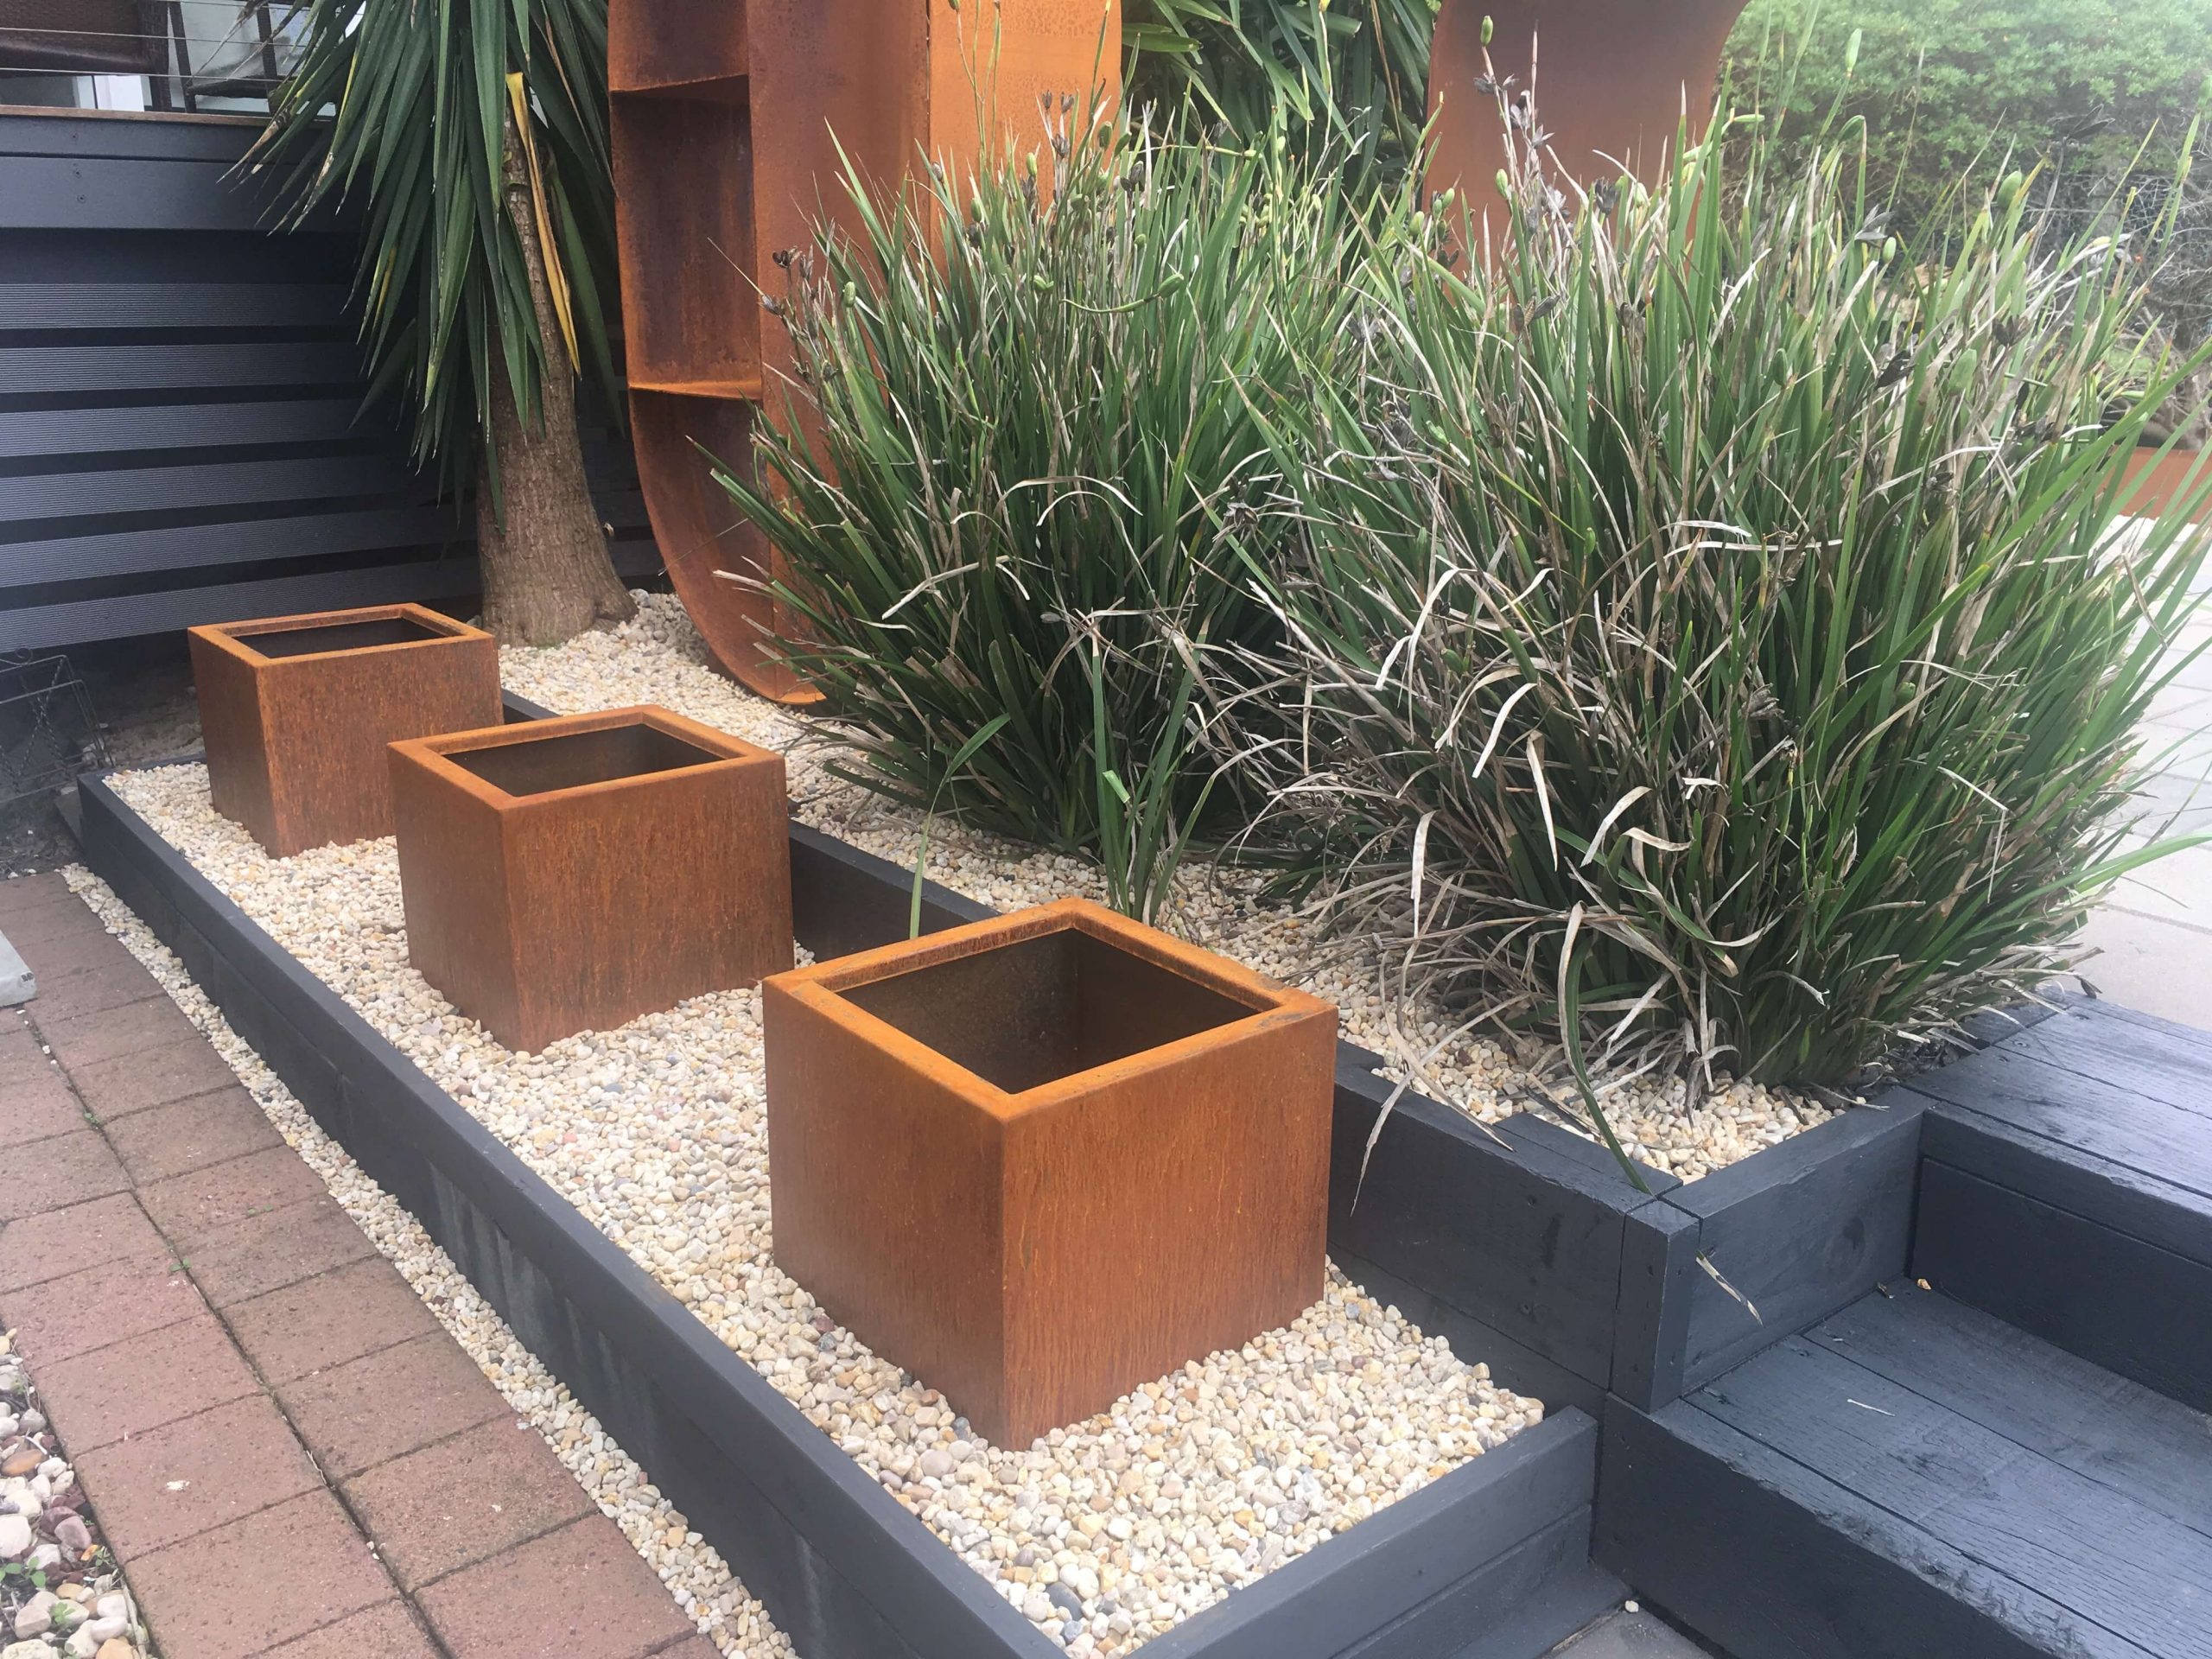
[(1939, 83)]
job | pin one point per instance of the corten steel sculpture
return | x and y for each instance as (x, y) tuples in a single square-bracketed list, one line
[(1041, 1160), (567, 875), (728, 116), (1612, 80), (297, 710)]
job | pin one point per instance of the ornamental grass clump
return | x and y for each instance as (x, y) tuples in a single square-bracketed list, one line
[(1715, 641), (1023, 446)]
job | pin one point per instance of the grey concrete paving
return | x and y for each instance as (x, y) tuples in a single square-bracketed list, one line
[(2154, 936)]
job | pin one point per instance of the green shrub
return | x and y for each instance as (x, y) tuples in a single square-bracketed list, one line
[(1712, 642), (1347, 81), (1028, 442)]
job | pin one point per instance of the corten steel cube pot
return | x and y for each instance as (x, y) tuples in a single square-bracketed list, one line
[(568, 875), (297, 712), (1044, 1159)]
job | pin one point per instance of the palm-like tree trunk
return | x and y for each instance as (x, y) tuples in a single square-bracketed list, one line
[(547, 573)]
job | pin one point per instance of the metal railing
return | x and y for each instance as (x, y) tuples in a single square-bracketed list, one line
[(183, 54)]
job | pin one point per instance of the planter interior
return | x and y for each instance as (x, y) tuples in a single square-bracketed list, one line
[(297, 712), (606, 755), (1045, 1009), (321, 637), (1095, 1154), (571, 875)]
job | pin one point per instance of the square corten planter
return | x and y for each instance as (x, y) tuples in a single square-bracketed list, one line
[(1042, 1160), (296, 712), (568, 875)]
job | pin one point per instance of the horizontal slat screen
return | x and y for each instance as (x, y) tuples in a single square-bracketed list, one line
[(181, 433)]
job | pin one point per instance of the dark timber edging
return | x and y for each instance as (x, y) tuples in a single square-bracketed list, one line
[(1531, 1249), (2066, 1187), (1490, 1562)]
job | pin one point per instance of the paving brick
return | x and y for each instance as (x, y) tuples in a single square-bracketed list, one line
[(135, 1083), (90, 1039), (58, 921), (62, 1241), (329, 1319), (59, 1319), (142, 1384), (22, 893), (442, 1508), (35, 1103), (195, 1475), (191, 1134), (387, 1631), (63, 954), (94, 990), (693, 1646), (581, 1590), (264, 1253), (58, 1172), (24, 1063), (304, 1561), (384, 1405), (189, 1207)]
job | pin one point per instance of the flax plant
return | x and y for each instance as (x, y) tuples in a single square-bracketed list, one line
[(1715, 642), (1023, 456)]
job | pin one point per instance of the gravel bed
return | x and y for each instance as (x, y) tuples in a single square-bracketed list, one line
[(1105, 1533), (695, 1574), (659, 658), (60, 1591)]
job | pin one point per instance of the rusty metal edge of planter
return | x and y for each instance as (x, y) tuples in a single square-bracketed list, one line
[(1499, 1547)]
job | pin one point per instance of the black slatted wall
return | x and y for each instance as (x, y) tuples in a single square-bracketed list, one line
[(180, 434)]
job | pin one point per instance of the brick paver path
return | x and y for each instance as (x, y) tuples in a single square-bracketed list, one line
[(288, 1453)]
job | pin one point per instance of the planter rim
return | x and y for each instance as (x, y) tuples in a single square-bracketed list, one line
[(821, 989), (235, 639), (434, 753)]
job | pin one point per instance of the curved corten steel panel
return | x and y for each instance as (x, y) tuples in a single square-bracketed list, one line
[(728, 116), (700, 534), (1611, 80)]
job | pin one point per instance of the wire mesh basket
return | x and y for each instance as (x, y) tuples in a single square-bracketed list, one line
[(47, 730)]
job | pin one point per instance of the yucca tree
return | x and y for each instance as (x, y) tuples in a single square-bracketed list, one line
[(471, 138)]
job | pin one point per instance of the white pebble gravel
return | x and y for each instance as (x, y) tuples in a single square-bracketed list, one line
[(698, 1579), (659, 658), (1105, 1533)]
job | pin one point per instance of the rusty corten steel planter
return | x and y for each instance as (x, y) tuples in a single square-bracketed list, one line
[(297, 711), (573, 874), (728, 116), (1043, 1159), (1611, 80)]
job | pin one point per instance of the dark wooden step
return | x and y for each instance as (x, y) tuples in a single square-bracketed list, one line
[(2066, 1186), (1914, 1476)]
